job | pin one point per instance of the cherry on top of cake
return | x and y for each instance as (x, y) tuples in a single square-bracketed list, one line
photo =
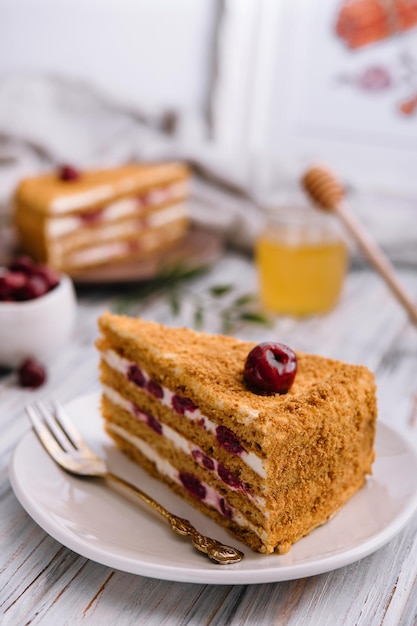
[(69, 173), (270, 368), (70, 190)]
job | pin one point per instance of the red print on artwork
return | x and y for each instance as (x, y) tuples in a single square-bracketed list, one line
[(363, 22)]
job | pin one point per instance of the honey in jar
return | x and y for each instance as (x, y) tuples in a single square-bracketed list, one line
[(301, 258)]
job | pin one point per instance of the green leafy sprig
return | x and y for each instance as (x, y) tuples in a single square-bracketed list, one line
[(167, 281), (242, 309)]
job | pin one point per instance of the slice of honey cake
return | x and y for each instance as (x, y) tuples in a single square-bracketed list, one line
[(74, 220), (268, 442)]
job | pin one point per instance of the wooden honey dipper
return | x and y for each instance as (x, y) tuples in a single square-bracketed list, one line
[(326, 191)]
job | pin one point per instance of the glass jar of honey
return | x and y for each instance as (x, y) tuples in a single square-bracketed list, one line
[(301, 258)]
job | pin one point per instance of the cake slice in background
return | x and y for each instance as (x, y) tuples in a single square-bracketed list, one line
[(74, 220), (268, 468)]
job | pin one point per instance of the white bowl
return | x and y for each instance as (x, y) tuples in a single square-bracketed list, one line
[(37, 328)]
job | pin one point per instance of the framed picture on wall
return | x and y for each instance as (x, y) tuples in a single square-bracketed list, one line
[(333, 81)]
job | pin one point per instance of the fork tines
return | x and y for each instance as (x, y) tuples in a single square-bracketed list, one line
[(51, 423)]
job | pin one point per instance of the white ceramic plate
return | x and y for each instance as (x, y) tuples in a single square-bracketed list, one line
[(101, 524)]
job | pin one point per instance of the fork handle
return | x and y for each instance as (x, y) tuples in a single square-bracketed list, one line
[(216, 551)]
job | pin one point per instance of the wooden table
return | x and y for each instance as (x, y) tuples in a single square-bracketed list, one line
[(42, 582)]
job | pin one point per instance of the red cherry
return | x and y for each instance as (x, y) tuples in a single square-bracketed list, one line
[(91, 218), (22, 264), (135, 375), (10, 284), (181, 404), (47, 274), (31, 374), (270, 368), (69, 173), (25, 280), (154, 389), (193, 485), (35, 287), (145, 199), (228, 440)]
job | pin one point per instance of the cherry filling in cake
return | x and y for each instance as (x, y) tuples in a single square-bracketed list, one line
[(91, 218), (181, 443), (228, 440), (197, 488), (180, 404), (140, 209)]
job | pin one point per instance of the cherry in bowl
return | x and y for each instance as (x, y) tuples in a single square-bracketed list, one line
[(23, 279), (37, 312)]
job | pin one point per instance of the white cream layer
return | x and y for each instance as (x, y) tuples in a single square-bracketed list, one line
[(179, 442), (60, 226), (212, 498), (165, 216), (108, 231), (122, 365), (64, 204), (116, 249), (100, 193)]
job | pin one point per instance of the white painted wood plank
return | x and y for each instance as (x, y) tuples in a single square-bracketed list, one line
[(42, 582)]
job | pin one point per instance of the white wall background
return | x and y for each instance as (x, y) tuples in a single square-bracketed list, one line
[(275, 103), (152, 54)]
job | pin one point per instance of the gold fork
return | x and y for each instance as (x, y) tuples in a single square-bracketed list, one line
[(65, 445)]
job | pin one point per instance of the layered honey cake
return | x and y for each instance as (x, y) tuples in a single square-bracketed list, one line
[(267, 441), (75, 219)]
